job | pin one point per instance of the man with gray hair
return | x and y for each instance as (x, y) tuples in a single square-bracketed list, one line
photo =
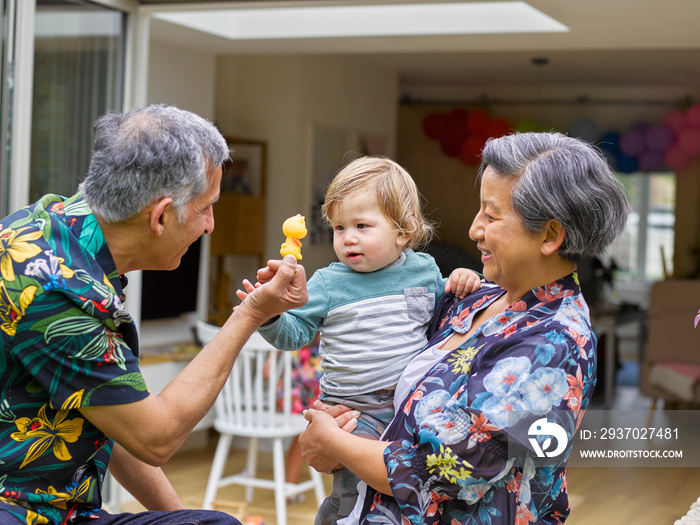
[(74, 401)]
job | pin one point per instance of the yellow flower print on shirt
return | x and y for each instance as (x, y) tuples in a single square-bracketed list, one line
[(449, 465), (11, 313), (461, 359), (60, 498), (48, 434), (32, 518), (16, 248)]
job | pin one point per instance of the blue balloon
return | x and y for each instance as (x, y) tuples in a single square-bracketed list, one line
[(610, 142), (626, 164)]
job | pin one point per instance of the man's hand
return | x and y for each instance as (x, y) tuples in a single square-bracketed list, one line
[(281, 286)]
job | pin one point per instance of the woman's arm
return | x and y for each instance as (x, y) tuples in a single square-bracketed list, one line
[(147, 484), (324, 444)]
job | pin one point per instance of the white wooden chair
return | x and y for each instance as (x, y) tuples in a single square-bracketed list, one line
[(248, 406)]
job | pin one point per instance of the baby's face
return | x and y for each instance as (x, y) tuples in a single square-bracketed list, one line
[(363, 238)]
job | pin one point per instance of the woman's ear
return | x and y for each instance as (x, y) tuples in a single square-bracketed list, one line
[(554, 237), (159, 214)]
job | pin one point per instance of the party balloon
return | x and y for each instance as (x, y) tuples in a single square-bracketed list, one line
[(659, 138), (675, 121), (498, 128), (689, 141), (584, 128), (434, 125), (651, 161), (457, 118), (477, 121), (626, 163), (642, 126), (451, 144), (470, 154), (610, 142), (692, 117), (677, 159), (632, 143)]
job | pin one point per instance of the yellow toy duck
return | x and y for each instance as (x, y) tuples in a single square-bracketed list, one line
[(295, 229)]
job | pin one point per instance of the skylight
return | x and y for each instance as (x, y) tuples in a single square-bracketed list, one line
[(367, 20)]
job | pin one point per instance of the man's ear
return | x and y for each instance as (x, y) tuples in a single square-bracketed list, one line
[(160, 212), (554, 237)]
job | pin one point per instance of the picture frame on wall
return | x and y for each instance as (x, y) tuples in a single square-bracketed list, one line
[(243, 173)]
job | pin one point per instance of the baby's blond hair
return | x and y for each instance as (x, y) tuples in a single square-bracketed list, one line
[(396, 193)]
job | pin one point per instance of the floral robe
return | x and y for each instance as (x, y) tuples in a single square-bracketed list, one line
[(460, 450), (67, 342)]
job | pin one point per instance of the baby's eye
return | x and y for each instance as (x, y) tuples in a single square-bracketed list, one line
[(338, 228), (361, 226)]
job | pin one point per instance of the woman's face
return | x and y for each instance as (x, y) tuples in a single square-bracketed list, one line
[(511, 254)]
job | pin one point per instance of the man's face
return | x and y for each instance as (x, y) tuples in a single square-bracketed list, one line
[(199, 219)]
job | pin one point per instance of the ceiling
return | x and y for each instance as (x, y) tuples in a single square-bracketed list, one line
[(611, 43)]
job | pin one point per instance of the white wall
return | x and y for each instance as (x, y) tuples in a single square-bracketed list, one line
[(279, 99), (184, 78)]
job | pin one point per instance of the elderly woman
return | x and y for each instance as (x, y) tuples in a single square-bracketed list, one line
[(499, 361)]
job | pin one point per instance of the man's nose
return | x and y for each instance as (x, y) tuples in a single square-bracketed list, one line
[(209, 221)]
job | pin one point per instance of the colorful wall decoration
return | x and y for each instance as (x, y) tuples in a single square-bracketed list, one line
[(644, 146)]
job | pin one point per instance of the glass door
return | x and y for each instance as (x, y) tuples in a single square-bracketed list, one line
[(79, 56), (7, 82)]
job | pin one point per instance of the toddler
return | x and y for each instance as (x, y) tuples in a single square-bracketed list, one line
[(372, 308)]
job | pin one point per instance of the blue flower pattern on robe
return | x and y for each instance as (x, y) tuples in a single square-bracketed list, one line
[(451, 458)]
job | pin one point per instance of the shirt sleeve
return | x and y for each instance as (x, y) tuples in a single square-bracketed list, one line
[(297, 328), (71, 354), (467, 439)]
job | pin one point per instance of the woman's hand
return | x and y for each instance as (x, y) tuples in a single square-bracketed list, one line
[(345, 417), (325, 446), (323, 421), (316, 439)]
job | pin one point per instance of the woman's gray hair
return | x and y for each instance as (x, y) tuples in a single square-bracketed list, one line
[(562, 178), (148, 153)]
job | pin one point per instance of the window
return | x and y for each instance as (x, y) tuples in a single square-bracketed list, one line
[(646, 246), (78, 76)]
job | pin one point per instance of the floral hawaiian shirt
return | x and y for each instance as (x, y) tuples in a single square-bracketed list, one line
[(67, 342), (460, 450)]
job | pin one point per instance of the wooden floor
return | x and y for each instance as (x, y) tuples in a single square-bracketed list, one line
[(642, 496)]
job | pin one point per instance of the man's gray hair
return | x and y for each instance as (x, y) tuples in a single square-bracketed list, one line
[(562, 178), (148, 153)]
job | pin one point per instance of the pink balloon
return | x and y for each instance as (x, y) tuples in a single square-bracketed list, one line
[(659, 138), (689, 141), (434, 125), (632, 143), (676, 121), (651, 161), (692, 117), (677, 159)]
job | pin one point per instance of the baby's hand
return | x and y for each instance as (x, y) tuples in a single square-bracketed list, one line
[(462, 282)]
